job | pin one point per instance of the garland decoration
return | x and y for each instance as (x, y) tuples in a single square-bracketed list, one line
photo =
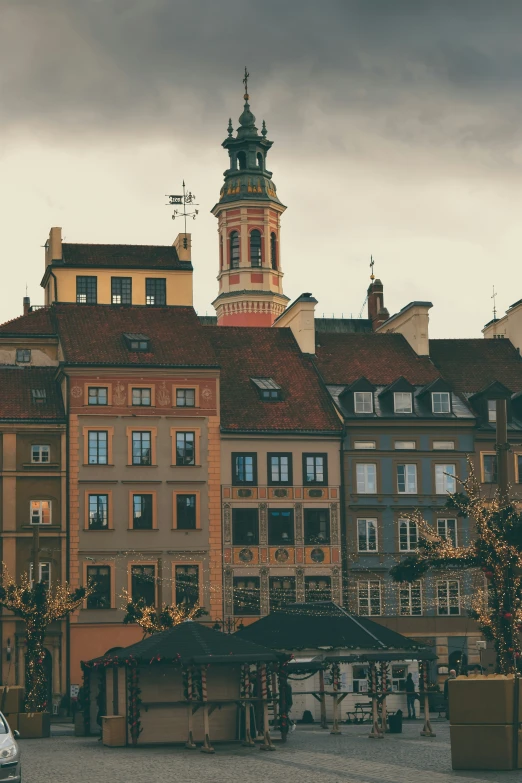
[(86, 699), (134, 711), (152, 621)]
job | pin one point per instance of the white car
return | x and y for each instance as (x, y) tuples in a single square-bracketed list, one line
[(10, 766)]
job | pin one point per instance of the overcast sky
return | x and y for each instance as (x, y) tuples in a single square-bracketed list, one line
[(396, 128)]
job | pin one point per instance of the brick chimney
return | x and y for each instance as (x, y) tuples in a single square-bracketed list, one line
[(377, 313), (27, 305)]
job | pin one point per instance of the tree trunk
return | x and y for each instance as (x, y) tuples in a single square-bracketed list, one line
[(35, 683)]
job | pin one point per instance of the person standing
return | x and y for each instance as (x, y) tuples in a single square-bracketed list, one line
[(410, 696), (452, 676)]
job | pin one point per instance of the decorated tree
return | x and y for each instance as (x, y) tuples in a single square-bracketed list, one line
[(38, 606), (152, 621)]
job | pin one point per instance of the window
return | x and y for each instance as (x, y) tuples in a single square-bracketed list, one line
[(185, 398), (185, 451), (408, 535), (273, 250), (444, 445), (369, 597), (518, 458), (143, 584), (246, 595), (39, 396), (23, 355), (317, 526), (407, 479), (489, 468), (141, 448), (402, 402), (448, 597), (137, 342), (234, 250), (363, 402), (440, 402), (40, 512), (98, 447), (142, 506), (367, 535), (492, 411), (86, 290), (97, 395), (187, 585), (364, 444), (244, 468), (255, 248), (447, 528), (121, 290), (282, 591), (40, 454), (99, 579), (268, 389), (186, 512), (98, 512), (315, 469), (405, 444), (141, 397), (445, 480), (360, 679), (245, 527), (318, 588), (279, 468), (280, 526), (155, 291), (399, 672), (366, 474), (44, 574), (410, 599)]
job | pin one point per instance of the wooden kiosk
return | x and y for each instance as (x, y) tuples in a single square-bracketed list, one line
[(190, 684)]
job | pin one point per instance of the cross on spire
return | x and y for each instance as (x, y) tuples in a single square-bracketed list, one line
[(245, 82), (372, 263)]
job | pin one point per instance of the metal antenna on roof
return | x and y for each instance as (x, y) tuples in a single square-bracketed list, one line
[(494, 297), (372, 263), (185, 199)]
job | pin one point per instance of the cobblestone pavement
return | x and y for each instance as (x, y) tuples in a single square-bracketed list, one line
[(309, 756)]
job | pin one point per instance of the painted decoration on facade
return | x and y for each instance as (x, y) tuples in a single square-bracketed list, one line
[(162, 395), (118, 395), (76, 391)]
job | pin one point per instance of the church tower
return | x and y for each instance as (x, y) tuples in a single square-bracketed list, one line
[(248, 213)]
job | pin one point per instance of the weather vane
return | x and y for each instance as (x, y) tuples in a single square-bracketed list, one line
[(245, 82), (494, 297), (372, 262), (186, 199)]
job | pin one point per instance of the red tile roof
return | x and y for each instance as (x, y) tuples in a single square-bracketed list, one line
[(257, 352), (381, 358), (38, 322), (471, 365), (16, 398), (93, 334), (122, 256)]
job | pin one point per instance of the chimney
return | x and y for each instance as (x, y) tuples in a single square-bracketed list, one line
[(53, 246), (183, 245), (27, 305), (377, 313), (299, 317)]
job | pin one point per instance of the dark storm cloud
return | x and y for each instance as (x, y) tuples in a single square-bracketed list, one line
[(423, 72)]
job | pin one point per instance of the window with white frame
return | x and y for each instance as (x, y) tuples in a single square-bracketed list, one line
[(402, 402), (405, 444), (364, 444), (399, 672), (369, 597), (447, 529), (40, 512), (44, 574), (367, 535), (489, 468), (360, 679), (40, 454), (444, 445), (366, 478), (408, 535), (445, 480), (410, 599), (448, 597), (363, 402), (492, 411), (407, 479), (440, 402)]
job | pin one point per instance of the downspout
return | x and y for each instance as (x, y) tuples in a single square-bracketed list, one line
[(67, 546), (344, 537)]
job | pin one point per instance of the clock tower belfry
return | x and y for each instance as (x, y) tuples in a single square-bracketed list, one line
[(248, 213)]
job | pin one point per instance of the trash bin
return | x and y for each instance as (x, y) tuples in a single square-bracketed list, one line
[(395, 722)]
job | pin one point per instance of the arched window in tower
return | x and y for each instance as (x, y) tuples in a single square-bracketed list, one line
[(255, 247), (260, 160), (273, 250), (241, 159), (221, 252), (234, 250)]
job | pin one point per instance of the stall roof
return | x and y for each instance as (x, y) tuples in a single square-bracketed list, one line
[(191, 642), (324, 626)]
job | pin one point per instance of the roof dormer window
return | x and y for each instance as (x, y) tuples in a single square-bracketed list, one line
[(39, 396), (363, 401), (137, 342), (402, 402), (268, 389), (440, 402), (492, 411)]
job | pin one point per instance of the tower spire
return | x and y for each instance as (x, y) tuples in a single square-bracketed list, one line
[(245, 82)]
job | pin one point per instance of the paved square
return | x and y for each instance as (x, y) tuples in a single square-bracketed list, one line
[(310, 756)]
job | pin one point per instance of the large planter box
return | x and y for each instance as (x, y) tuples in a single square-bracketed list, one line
[(114, 731), (11, 699), (79, 725), (12, 720), (481, 700), (481, 747), (33, 725)]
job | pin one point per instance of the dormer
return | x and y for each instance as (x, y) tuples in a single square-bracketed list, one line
[(358, 398), (397, 398), (436, 398), (485, 402)]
